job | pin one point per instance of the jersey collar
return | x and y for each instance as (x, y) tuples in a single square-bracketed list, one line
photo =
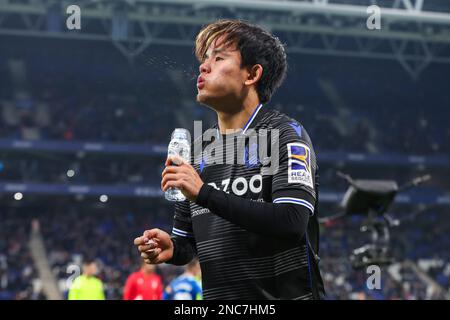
[(252, 117), (250, 122)]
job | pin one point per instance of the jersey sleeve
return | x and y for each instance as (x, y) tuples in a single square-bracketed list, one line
[(128, 292), (294, 181), (74, 290), (101, 291), (197, 291), (182, 231), (182, 235), (182, 224)]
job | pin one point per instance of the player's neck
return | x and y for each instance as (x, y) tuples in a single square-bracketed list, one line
[(188, 274), (236, 120), (147, 273)]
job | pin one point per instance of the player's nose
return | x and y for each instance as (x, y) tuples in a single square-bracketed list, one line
[(204, 67)]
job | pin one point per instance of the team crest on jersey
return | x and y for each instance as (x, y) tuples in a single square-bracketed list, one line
[(299, 165)]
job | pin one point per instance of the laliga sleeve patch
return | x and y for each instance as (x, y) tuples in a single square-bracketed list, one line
[(299, 164)]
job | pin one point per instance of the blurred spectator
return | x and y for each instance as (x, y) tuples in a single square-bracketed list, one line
[(144, 284), (187, 286), (87, 286)]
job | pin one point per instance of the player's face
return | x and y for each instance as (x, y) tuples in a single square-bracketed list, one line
[(91, 269), (221, 80)]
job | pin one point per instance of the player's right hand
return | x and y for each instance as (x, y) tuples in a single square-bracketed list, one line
[(155, 246)]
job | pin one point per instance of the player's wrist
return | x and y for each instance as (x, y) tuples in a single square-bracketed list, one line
[(172, 248), (203, 195)]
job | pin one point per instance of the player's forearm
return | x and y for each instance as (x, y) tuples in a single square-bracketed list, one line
[(282, 220), (183, 251)]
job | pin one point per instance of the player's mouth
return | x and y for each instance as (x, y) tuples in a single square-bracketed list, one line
[(200, 83)]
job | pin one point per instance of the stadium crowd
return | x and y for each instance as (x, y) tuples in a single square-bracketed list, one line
[(73, 234)]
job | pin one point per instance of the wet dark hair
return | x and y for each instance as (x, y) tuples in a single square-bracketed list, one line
[(256, 45)]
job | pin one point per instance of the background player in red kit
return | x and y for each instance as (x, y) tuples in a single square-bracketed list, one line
[(144, 284)]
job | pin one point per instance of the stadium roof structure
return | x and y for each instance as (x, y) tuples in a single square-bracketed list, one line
[(413, 32)]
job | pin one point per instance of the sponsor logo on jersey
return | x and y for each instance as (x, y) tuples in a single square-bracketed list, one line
[(240, 185), (299, 165), (199, 212)]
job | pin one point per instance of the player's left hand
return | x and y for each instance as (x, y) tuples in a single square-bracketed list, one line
[(180, 174)]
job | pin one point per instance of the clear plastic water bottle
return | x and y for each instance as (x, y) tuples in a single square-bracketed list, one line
[(180, 145)]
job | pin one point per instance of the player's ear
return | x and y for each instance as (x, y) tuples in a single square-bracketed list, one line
[(254, 73)]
